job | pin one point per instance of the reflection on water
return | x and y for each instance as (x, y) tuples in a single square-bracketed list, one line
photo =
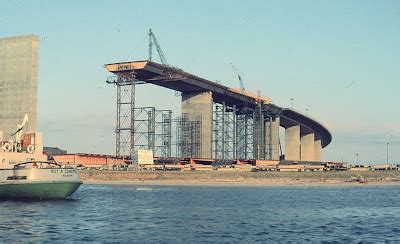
[(207, 214), (144, 189)]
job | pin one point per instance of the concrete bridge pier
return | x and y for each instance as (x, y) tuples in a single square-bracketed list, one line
[(307, 147), (317, 151), (292, 143), (272, 138), (200, 105)]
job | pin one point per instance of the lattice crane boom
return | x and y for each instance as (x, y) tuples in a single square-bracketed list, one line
[(153, 41), (239, 78)]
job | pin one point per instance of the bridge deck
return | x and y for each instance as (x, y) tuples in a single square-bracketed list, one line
[(179, 80)]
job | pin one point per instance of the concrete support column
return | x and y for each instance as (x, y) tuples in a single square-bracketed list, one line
[(307, 147), (272, 139), (317, 151), (292, 143), (199, 105)]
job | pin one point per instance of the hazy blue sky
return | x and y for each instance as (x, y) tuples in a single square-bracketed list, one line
[(339, 59)]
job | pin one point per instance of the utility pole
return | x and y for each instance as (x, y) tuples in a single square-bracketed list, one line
[(357, 157), (387, 152), (291, 101)]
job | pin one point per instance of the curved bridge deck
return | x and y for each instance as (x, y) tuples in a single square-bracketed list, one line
[(179, 80)]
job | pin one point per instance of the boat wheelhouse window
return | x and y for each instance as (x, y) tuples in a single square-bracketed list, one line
[(14, 177)]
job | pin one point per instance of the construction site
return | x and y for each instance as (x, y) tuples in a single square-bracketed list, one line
[(217, 126)]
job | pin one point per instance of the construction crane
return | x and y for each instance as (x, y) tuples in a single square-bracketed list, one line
[(153, 41), (242, 90), (239, 77)]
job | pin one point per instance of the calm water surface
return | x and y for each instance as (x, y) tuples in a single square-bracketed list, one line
[(207, 214)]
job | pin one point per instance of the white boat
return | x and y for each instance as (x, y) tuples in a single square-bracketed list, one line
[(38, 180), (25, 172)]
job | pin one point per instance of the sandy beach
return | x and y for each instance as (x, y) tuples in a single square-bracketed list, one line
[(330, 178)]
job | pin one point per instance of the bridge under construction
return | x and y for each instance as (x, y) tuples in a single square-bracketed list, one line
[(216, 122)]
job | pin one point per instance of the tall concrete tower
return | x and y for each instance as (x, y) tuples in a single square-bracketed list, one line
[(19, 57)]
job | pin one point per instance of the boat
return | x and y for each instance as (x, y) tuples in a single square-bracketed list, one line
[(38, 180), (25, 172)]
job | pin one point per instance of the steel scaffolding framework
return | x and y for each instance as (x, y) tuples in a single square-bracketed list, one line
[(259, 133), (144, 128), (230, 133), (153, 130), (238, 133), (245, 133), (218, 131), (224, 131), (188, 137), (166, 133), (125, 123)]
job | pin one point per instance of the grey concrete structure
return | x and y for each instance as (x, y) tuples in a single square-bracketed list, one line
[(18, 82), (317, 150), (292, 143), (272, 142), (199, 105), (307, 147)]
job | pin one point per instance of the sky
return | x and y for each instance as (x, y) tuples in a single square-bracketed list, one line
[(338, 60)]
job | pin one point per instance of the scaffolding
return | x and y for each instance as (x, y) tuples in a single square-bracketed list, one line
[(259, 132), (230, 133), (224, 131), (188, 137), (125, 124), (245, 133), (165, 138), (153, 130), (218, 131), (237, 133), (144, 128)]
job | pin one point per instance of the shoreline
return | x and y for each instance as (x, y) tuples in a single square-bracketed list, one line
[(267, 179), (234, 184)]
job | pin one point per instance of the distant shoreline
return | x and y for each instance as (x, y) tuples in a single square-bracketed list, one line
[(202, 178), (233, 184)]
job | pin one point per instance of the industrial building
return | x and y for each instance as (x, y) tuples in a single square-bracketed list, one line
[(88, 160)]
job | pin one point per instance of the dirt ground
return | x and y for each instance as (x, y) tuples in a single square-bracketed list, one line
[(241, 178)]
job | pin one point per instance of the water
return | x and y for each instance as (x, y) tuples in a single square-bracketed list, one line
[(207, 214)]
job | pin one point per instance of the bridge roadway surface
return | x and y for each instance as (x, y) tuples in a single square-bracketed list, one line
[(179, 80)]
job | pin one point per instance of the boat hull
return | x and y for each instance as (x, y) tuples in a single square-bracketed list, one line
[(38, 190), (38, 183)]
